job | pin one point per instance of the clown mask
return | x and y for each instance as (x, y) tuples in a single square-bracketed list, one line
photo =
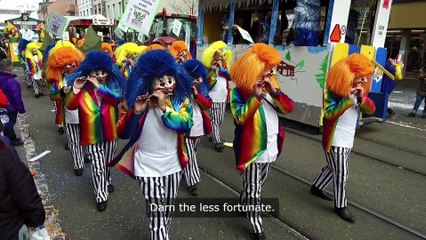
[(165, 84), (218, 60), (34, 51), (100, 75), (359, 81), (182, 57), (69, 68), (198, 81)]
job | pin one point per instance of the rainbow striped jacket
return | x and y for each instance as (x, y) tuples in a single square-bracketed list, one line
[(57, 94), (251, 136), (97, 122), (130, 126), (33, 66), (334, 107)]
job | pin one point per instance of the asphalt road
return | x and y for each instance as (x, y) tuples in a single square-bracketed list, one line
[(387, 175)]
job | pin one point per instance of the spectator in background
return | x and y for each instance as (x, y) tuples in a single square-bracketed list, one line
[(12, 89), (421, 94), (20, 202)]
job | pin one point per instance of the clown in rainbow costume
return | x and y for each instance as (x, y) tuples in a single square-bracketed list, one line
[(216, 58), (159, 115), (200, 102), (34, 61), (21, 56), (255, 103), (180, 51), (63, 59), (346, 94), (126, 56), (97, 90)]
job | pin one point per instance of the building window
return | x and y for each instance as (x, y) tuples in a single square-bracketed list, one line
[(119, 9), (108, 13), (113, 10)]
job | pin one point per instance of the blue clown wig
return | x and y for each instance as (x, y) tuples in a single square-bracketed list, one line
[(22, 45), (155, 64), (195, 69), (96, 60), (46, 52)]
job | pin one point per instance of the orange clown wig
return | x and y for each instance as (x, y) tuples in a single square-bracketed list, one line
[(107, 47), (179, 49), (59, 58), (252, 64), (341, 76)]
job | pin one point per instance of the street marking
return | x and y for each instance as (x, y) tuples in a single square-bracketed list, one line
[(405, 125), (39, 156)]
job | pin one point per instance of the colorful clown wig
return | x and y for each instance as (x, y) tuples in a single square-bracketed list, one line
[(107, 47), (59, 57), (156, 46), (215, 48), (155, 64), (250, 66), (126, 49), (178, 49), (30, 47), (195, 69), (96, 60), (341, 76)]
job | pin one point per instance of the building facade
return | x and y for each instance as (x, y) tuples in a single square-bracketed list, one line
[(114, 8), (85, 8)]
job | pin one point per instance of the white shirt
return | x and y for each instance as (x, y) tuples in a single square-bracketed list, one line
[(345, 128), (37, 74), (272, 122), (198, 127), (219, 91), (156, 153), (71, 116)]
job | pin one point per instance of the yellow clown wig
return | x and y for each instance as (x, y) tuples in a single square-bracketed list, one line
[(107, 47), (59, 57), (252, 64), (341, 76), (210, 52), (177, 48), (30, 47), (129, 48)]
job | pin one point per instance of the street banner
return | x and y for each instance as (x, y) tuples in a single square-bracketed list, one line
[(56, 24), (139, 15), (118, 32), (177, 26)]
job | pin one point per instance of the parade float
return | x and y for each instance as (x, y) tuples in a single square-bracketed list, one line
[(315, 31)]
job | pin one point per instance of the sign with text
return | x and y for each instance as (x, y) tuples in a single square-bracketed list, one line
[(139, 14), (381, 24), (245, 34), (56, 24), (118, 32), (177, 26)]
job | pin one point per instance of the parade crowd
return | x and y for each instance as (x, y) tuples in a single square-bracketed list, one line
[(162, 102)]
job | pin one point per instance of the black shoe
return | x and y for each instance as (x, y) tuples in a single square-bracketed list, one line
[(412, 114), (193, 190), (41, 94), (344, 214), (66, 147), (78, 171), (111, 188), (86, 160), (219, 147), (424, 116), (17, 142), (101, 206), (61, 130), (259, 236), (37, 95), (391, 112), (29, 86), (320, 193)]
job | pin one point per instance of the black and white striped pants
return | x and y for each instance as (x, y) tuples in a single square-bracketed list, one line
[(28, 80), (100, 154), (217, 112), (160, 191), (36, 85), (191, 171), (73, 138), (254, 177), (337, 169)]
